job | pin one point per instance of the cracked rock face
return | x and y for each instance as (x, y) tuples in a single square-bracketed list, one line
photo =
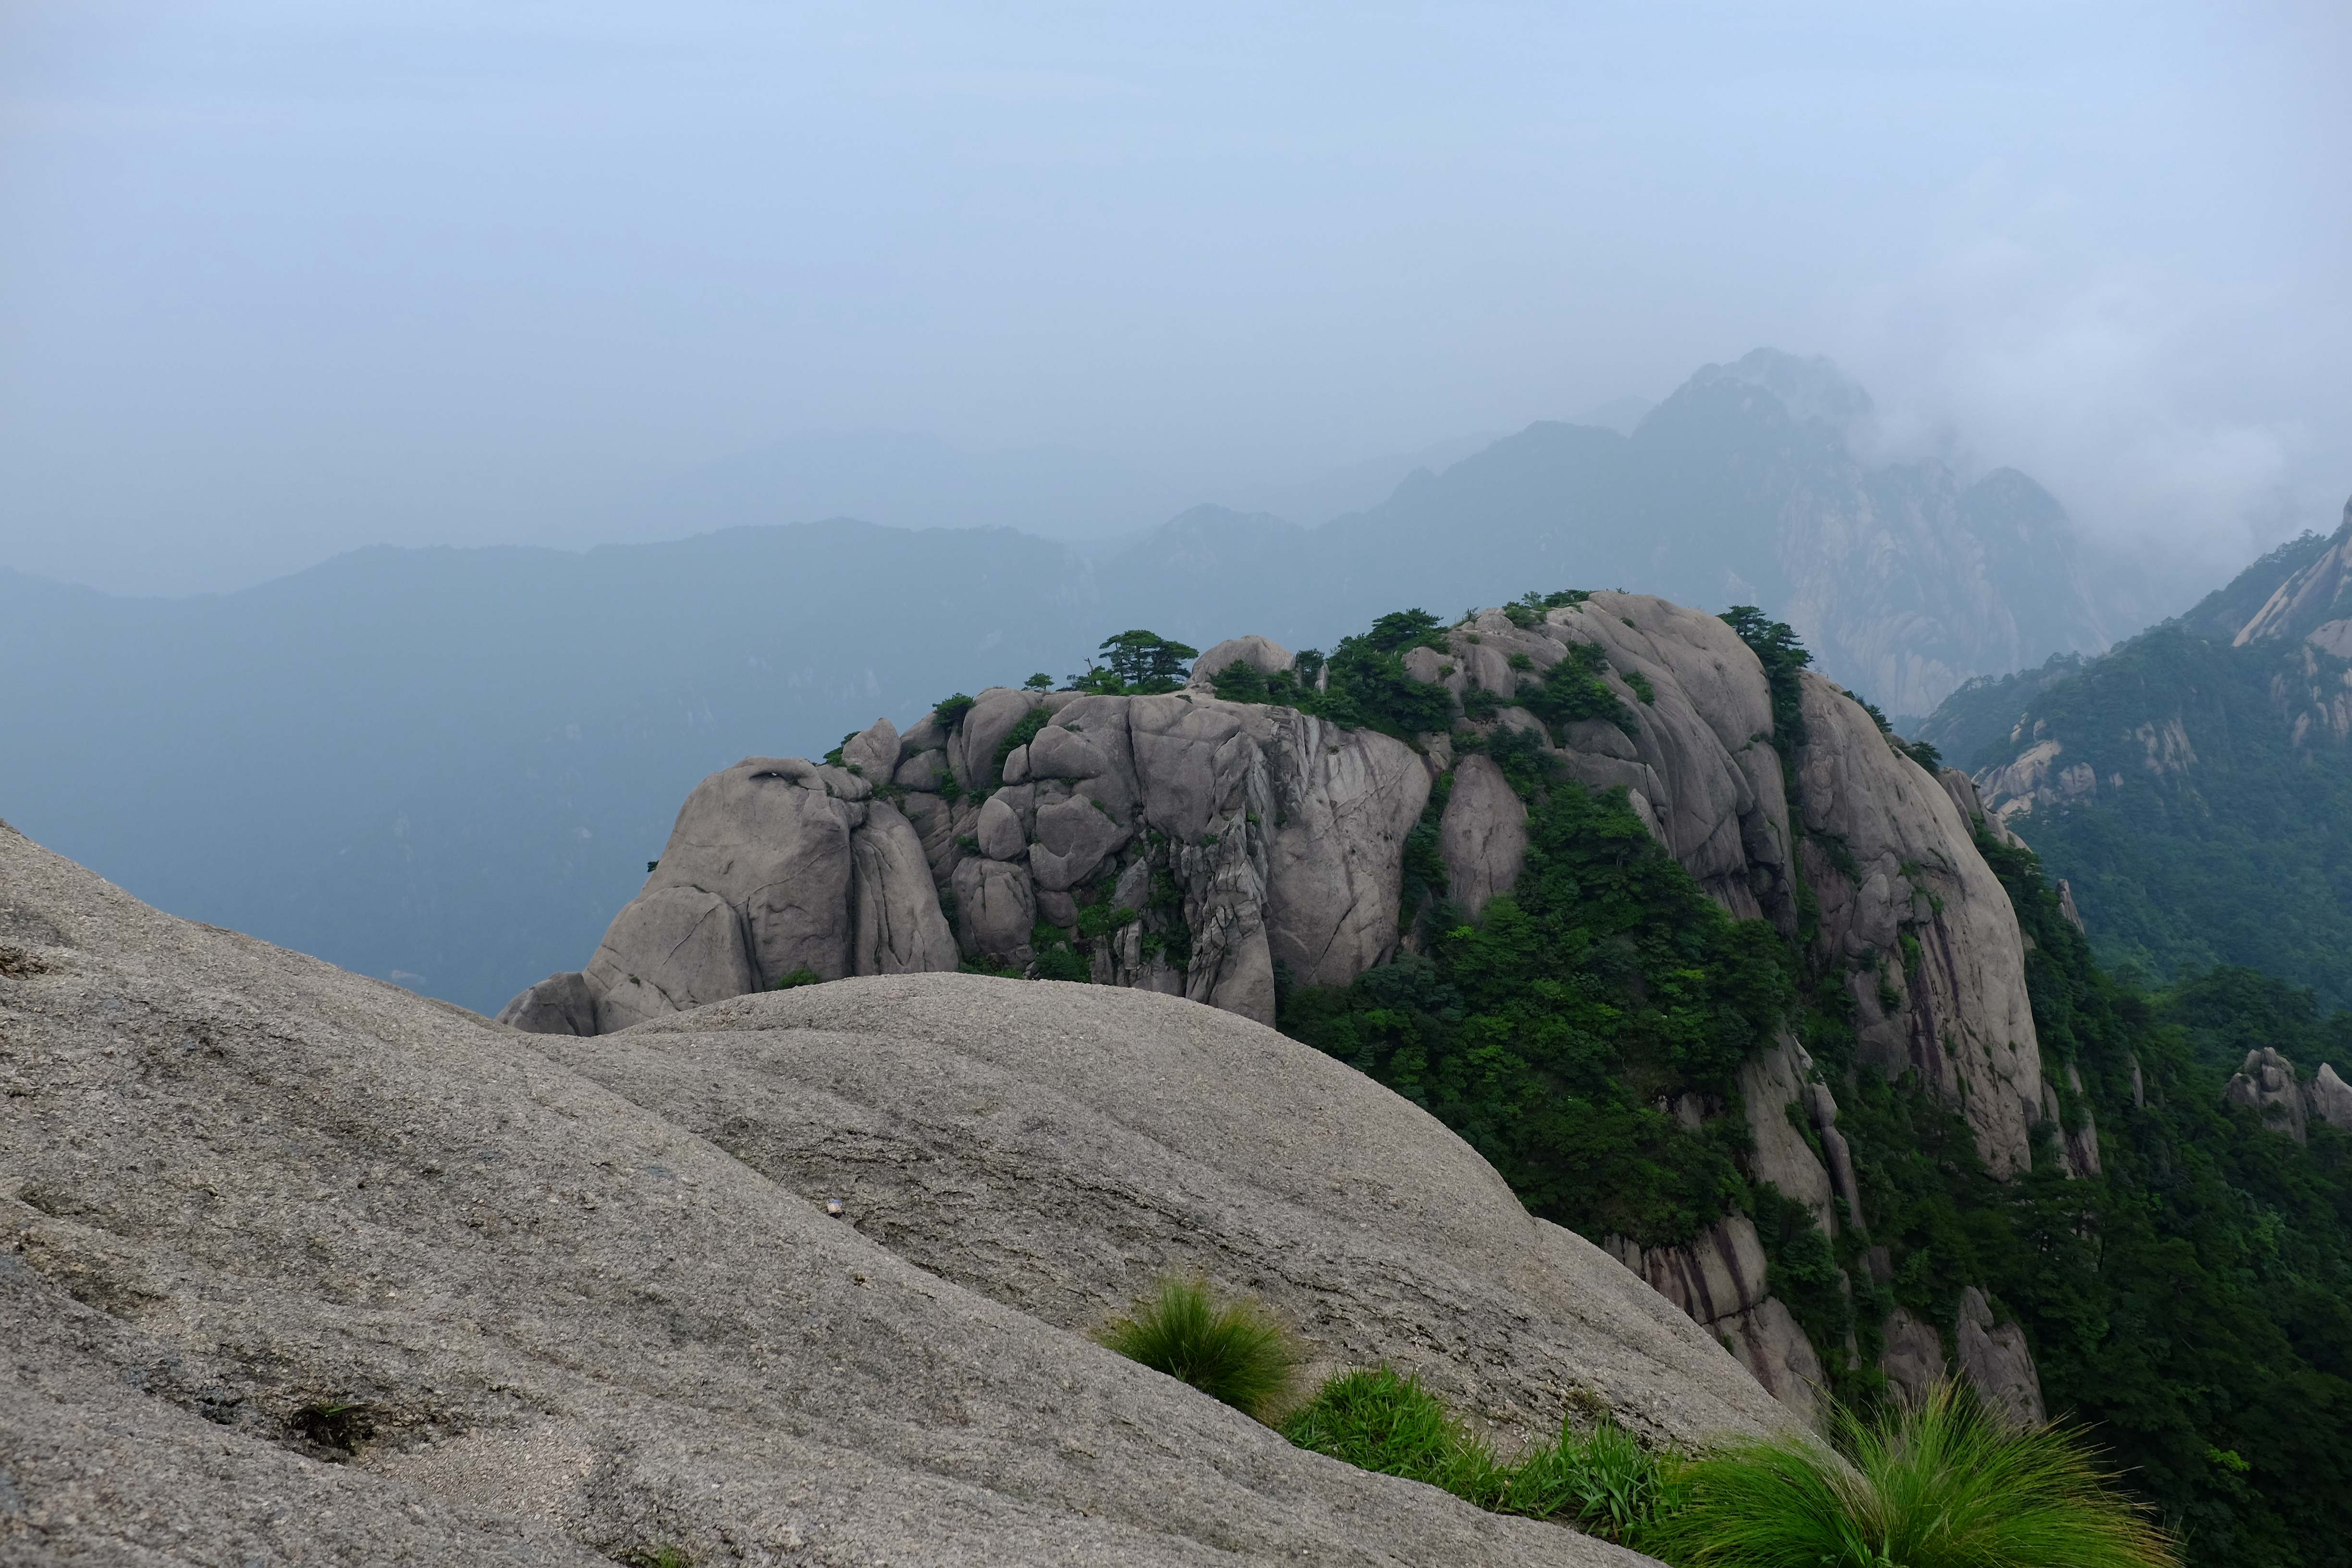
[(298, 1266)]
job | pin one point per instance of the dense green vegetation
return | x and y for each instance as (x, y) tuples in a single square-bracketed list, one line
[(2190, 1303), (2234, 848), (1547, 1032), (2218, 826)]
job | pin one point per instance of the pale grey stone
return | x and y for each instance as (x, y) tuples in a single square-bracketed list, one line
[(1262, 654), (873, 752), (1770, 1081), (2266, 1085), (997, 907), (2331, 1097), (1426, 664), (1074, 835), (1342, 803), (672, 948), (559, 1004), (972, 753), (896, 924), (1016, 765), (1995, 1360), (998, 830), (1061, 753), (1912, 1359), (1966, 1012), (1483, 835), (1059, 1147), (581, 1331), (924, 771), (1768, 1342)]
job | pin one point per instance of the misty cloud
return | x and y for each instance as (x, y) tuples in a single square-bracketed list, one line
[(283, 280)]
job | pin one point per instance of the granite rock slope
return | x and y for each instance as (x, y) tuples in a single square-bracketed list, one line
[(297, 1266), (1058, 1147)]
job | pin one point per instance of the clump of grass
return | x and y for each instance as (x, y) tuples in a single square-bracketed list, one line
[(1231, 1350), (1944, 1484), (1605, 1483), (1378, 1420)]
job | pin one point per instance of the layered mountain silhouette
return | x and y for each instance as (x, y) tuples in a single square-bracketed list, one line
[(448, 767)]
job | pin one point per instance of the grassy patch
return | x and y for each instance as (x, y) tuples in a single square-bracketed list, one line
[(1232, 1351), (1946, 1484), (1378, 1419)]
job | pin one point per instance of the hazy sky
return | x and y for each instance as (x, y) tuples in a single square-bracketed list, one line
[(278, 279)]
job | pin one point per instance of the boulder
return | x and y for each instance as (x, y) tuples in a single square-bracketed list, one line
[(1059, 753), (1073, 837), (897, 925), (559, 1004), (446, 1298), (1483, 836), (873, 753), (2266, 1085), (2331, 1098), (668, 949), (996, 909), (1912, 1359), (1262, 654), (922, 771), (971, 750), (1994, 1359), (999, 831)]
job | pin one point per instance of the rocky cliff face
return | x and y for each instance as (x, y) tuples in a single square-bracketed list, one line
[(1216, 849)]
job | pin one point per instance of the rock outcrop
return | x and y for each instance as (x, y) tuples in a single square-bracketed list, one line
[(551, 1300), (1995, 1359), (2266, 1083), (1718, 1280), (1208, 848)]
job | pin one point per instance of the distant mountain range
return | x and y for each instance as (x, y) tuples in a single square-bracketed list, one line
[(446, 767), (2194, 784)]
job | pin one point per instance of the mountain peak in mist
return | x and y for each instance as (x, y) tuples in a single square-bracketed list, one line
[(1813, 389)]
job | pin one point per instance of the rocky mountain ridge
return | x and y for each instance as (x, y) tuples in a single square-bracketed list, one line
[(2191, 785), (1224, 851)]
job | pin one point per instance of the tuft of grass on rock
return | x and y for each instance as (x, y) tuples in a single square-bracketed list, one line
[(1605, 1483), (1944, 1484), (1379, 1419), (1231, 1350)]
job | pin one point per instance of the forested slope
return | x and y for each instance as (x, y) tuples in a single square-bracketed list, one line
[(2194, 784)]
